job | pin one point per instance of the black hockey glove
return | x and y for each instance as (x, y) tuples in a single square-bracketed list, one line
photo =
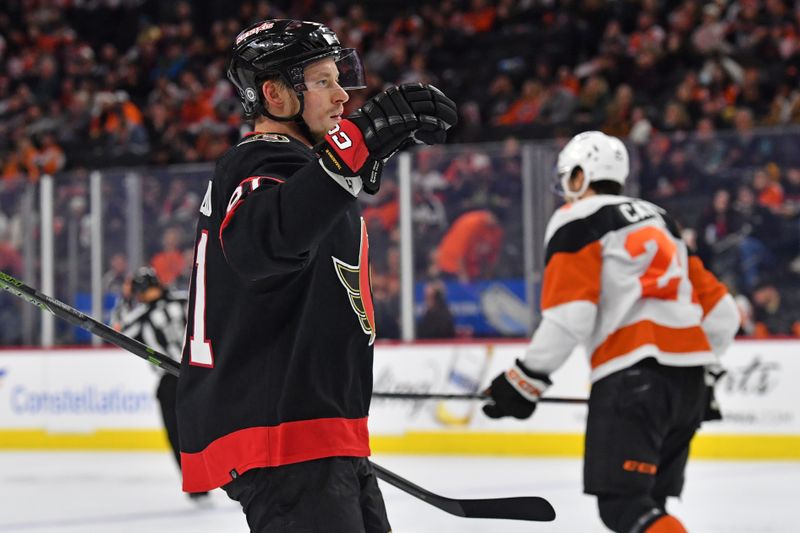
[(515, 392), (435, 111), (386, 123), (713, 374)]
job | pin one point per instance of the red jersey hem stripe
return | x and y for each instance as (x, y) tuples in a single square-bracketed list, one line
[(290, 442)]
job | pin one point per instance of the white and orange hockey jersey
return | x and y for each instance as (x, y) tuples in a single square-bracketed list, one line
[(620, 281)]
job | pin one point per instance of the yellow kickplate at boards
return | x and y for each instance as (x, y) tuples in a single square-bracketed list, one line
[(125, 439), (704, 446)]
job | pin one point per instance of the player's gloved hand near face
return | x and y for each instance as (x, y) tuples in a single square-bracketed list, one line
[(515, 392), (435, 111), (386, 123)]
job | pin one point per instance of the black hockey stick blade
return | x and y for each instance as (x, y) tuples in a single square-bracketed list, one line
[(76, 318), (531, 508), (471, 396)]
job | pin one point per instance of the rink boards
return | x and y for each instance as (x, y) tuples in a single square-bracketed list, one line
[(104, 399)]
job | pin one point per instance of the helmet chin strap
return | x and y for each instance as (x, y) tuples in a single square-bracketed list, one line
[(297, 118)]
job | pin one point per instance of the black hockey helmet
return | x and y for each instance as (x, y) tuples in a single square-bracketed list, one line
[(282, 48), (143, 279)]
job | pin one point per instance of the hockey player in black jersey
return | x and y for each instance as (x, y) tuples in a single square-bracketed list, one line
[(156, 316), (276, 375)]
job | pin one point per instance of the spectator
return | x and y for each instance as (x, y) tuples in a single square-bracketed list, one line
[(524, 109), (437, 320), (10, 259), (680, 177), (115, 276), (50, 157), (745, 148), (718, 231), (592, 102), (641, 127), (180, 203), (558, 103), (386, 295), (169, 263), (705, 149), (773, 313), (709, 36), (767, 187), (480, 17), (675, 118), (618, 112), (785, 106), (471, 247), (500, 97), (760, 231)]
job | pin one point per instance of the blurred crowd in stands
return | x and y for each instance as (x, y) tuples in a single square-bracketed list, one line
[(706, 93), (123, 81)]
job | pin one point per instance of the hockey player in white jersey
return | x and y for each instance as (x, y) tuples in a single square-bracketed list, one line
[(620, 281)]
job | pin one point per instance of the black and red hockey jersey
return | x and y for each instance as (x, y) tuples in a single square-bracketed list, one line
[(277, 362)]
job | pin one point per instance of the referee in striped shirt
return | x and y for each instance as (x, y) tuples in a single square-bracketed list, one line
[(156, 317)]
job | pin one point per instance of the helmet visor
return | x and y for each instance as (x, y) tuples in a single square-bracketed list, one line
[(342, 69)]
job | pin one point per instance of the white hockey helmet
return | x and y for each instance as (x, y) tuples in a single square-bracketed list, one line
[(600, 156)]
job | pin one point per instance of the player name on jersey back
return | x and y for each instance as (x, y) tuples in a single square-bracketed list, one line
[(617, 272)]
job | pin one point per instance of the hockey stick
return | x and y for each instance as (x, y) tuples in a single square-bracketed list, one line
[(540, 509), (532, 508), (76, 318), (473, 396)]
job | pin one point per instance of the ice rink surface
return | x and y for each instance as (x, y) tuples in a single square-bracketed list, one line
[(109, 492)]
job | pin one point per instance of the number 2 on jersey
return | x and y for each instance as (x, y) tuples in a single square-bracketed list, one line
[(658, 281), (200, 353)]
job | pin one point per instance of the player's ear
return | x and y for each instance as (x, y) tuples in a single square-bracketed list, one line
[(576, 180), (276, 96)]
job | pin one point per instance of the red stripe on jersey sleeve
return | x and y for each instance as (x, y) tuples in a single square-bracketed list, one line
[(247, 182), (276, 180), (709, 289), (572, 276), (287, 443), (668, 340), (227, 220)]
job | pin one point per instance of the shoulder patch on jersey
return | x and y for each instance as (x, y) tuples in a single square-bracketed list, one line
[(267, 137)]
